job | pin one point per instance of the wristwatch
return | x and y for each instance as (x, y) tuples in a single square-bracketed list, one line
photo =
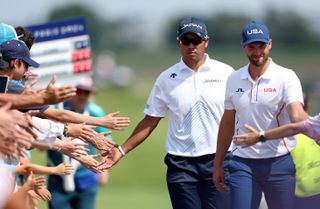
[(65, 129), (262, 137)]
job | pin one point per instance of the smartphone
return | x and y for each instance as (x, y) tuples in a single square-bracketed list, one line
[(4, 81)]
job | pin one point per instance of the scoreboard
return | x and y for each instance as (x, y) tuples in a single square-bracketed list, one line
[(63, 49)]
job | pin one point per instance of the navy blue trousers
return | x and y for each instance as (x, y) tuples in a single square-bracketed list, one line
[(250, 177), (190, 184)]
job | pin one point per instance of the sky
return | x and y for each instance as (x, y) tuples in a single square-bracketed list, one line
[(150, 11)]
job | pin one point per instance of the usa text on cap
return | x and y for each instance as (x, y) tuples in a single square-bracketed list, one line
[(255, 32)]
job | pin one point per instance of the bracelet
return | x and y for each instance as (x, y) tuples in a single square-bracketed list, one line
[(121, 151), (65, 129)]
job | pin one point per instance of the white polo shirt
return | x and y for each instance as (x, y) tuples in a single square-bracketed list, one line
[(262, 104), (195, 103)]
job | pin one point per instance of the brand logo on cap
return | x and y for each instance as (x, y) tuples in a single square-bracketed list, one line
[(254, 31), (191, 25)]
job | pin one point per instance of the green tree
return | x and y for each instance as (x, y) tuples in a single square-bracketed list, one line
[(288, 29), (104, 35), (225, 30)]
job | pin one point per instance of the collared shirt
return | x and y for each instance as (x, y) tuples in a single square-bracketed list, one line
[(194, 101), (262, 104)]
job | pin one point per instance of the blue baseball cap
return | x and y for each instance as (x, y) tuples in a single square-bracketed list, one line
[(16, 49), (7, 32), (255, 32), (192, 25)]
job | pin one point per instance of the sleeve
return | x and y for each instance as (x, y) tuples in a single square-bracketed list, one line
[(228, 104), (40, 108), (49, 130), (43, 108), (292, 88), (156, 104), (312, 127)]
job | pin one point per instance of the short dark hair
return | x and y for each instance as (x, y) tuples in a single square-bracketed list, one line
[(25, 35)]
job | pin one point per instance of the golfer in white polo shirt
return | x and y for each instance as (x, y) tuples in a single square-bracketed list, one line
[(192, 93), (264, 95)]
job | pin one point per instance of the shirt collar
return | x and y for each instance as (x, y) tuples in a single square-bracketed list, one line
[(205, 66), (266, 75)]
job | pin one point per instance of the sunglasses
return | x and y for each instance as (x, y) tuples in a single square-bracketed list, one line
[(195, 40)]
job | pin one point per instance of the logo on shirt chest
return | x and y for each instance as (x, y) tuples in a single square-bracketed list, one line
[(173, 75), (239, 90), (211, 80), (264, 90), (269, 90)]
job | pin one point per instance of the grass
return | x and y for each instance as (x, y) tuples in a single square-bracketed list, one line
[(138, 181)]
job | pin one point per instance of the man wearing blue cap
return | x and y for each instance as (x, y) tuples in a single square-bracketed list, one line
[(264, 95), (192, 93)]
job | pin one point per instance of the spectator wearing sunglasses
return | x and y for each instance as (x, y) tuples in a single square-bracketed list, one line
[(192, 93)]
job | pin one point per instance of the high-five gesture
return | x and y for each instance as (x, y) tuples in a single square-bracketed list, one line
[(110, 160), (116, 123), (53, 95)]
